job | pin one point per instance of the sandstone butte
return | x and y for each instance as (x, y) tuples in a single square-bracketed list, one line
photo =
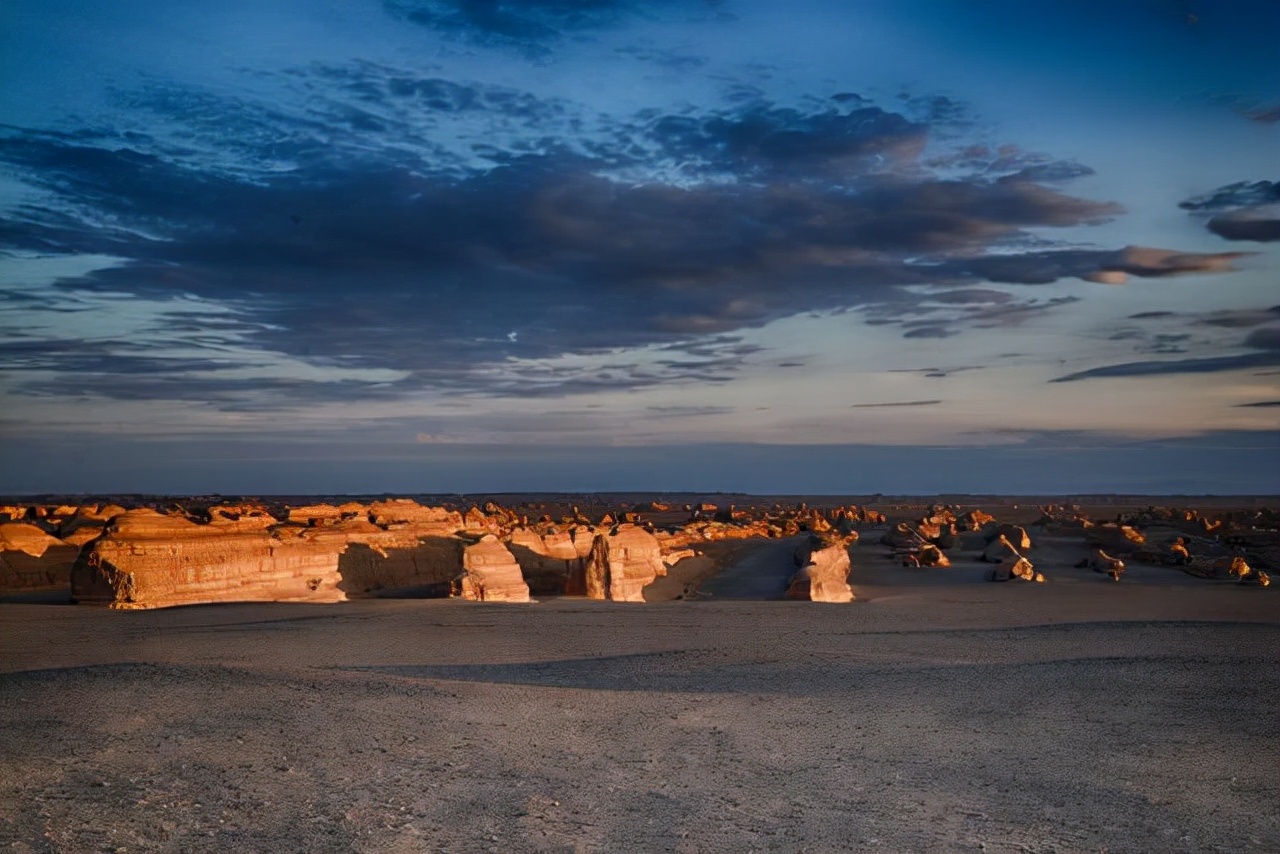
[(823, 572), (146, 559)]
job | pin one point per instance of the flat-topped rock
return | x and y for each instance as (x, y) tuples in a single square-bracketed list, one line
[(149, 560)]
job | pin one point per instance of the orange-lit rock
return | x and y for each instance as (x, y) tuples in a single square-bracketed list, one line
[(621, 563), (823, 572), (1016, 535), (490, 574), (405, 513), (149, 560)]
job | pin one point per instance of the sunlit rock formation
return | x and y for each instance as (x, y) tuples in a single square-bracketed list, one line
[(1115, 537), (1107, 564), (1010, 563), (823, 571), (149, 560), (621, 563), (490, 574)]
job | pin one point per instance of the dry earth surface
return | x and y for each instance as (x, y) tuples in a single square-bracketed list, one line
[(938, 712)]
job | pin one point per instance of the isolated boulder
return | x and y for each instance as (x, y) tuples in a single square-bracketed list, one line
[(822, 572), (1016, 536), (1107, 564)]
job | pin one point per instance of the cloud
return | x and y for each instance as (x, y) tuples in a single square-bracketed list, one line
[(895, 403), (1266, 338), (1212, 364), (469, 237), (532, 27), (1241, 211)]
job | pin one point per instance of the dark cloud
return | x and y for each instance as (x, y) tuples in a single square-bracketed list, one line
[(929, 332), (1238, 195), (895, 403), (1261, 224), (533, 27), (1266, 338), (470, 277), (1241, 211), (1260, 404), (769, 142), (1212, 364)]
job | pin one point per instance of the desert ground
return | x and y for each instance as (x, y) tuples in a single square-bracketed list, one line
[(937, 712)]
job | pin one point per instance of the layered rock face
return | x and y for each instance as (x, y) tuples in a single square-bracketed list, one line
[(30, 559), (490, 574), (823, 572), (620, 565), (148, 560)]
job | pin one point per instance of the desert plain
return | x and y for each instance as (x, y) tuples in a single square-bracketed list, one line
[(937, 711)]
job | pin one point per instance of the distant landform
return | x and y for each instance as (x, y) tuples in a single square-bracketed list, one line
[(132, 552)]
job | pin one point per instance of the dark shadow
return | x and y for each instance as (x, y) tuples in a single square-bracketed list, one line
[(61, 596), (546, 576), (422, 572)]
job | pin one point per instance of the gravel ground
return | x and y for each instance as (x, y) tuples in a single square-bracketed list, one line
[(933, 714)]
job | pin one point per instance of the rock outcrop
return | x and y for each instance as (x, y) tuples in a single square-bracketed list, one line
[(621, 563), (1010, 562), (823, 572), (1107, 564), (149, 560), (490, 574)]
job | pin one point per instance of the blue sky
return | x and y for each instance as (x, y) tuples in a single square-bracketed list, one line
[(423, 245)]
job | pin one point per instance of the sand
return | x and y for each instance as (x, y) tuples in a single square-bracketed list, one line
[(938, 712)]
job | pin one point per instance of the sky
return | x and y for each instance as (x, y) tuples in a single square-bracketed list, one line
[(311, 246)]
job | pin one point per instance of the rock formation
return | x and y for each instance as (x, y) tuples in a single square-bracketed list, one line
[(1016, 535), (1102, 562), (1010, 562), (490, 574), (1115, 537), (823, 571), (621, 563), (149, 560)]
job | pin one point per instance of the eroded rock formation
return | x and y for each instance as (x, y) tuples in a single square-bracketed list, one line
[(490, 574), (621, 563), (149, 560), (823, 571)]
